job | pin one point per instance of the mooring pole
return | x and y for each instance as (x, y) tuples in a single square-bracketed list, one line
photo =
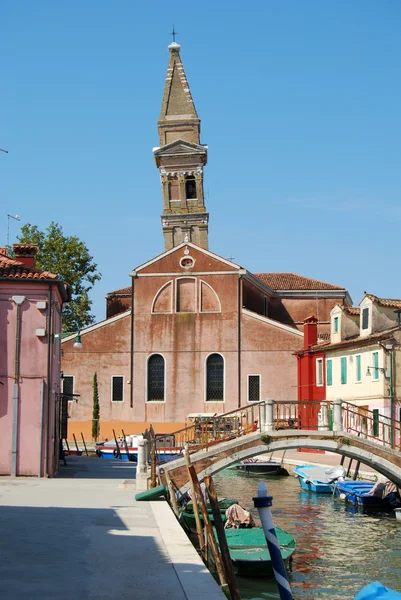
[(263, 503)]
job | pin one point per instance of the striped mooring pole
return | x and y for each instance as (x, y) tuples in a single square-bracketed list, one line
[(263, 503)]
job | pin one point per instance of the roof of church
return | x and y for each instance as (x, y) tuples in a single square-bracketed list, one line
[(293, 281), (14, 269), (125, 291)]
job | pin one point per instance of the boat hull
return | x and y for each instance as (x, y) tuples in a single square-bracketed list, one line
[(249, 553), (262, 468), (307, 482), (355, 493)]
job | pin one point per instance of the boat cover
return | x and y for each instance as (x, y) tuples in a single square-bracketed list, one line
[(377, 591), (153, 493)]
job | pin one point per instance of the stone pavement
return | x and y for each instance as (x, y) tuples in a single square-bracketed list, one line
[(82, 536)]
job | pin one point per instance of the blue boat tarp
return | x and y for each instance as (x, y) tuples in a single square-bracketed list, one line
[(377, 591)]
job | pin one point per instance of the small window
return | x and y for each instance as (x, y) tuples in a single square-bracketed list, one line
[(343, 370), (365, 318), (68, 387), (155, 378), (358, 368), (215, 378), (335, 324), (329, 371), (319, 371), (253, 388), (375, 372), (117, 388), (190, 189)]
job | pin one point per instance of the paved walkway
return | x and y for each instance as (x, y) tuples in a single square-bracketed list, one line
[(82, 536)]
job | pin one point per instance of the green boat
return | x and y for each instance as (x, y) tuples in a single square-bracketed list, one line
[(187, 516), (249, 552)]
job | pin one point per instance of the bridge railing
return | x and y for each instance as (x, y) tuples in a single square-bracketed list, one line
[(305, 414), (207, 430), (372, 425)]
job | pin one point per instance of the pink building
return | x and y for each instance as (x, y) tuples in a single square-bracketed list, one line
[(30, 402)]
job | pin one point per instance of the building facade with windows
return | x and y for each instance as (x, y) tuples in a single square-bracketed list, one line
[(361, 361), (194, 332)]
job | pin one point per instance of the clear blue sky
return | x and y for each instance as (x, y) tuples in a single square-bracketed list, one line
[(301, 109)]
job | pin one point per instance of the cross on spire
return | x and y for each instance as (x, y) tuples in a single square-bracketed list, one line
[(173, 33)]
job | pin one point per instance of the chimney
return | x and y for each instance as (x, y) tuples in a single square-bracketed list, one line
[(310, 332), (25, 253)]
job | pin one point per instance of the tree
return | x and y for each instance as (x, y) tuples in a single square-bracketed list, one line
[(68, 257), (96, 411)]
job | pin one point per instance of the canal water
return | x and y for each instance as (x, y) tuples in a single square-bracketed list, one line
[(339, 548)]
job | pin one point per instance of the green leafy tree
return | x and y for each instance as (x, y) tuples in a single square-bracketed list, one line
[(69, 257), (95, 411)]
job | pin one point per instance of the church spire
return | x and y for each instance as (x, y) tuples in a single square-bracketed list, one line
[(178, 117), (180, 160)]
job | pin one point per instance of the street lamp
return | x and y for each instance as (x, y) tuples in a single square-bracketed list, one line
[(77, 344)]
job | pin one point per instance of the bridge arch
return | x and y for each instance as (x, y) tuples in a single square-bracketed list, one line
[(212, 460)]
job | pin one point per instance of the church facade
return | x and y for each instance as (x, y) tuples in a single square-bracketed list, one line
[(194, 332)]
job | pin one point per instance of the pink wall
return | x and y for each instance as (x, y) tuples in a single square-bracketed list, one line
[(34, 420)]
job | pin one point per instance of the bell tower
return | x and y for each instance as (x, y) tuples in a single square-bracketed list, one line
[(180, 159)]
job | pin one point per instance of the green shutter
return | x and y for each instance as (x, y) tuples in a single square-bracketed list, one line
[(329, 371), (376, 365), (343, 369), (335, 324), (376, 422), (358, 368)]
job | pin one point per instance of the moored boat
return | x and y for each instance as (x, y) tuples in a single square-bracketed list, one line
[(249, 552), (187, 516), (318, 479), (357, 494), (261, 467)]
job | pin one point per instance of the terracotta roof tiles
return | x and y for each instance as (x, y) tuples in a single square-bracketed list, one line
[(14, 269), (385, 302), (293, 281), (126, 291)]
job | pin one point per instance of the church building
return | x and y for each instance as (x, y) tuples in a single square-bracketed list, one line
[(194, 332)]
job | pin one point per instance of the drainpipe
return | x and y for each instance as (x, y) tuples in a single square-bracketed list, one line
[(48, 386), (14, 439), (239, 337), (132, 344)]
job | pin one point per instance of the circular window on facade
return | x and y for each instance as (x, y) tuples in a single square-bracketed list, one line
[(187, 262)]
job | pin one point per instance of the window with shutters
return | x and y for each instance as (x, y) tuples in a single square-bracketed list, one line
[(215, 378), (375, 364), (319, 372), (335, 324), (117, 388), (365, 318), (68, 387), (376, 422), (329, 371), (343, 370), (253, 388), (156, 378), (358, 368)]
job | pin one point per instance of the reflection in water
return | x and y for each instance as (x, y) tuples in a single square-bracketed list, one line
[(339, 549)]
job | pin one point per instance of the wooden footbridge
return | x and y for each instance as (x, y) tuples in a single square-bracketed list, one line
[(215, 442)]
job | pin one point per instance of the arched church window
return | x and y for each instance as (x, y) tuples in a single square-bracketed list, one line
[(155, 378), (186, 295), (190, 188), (215, 378)]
